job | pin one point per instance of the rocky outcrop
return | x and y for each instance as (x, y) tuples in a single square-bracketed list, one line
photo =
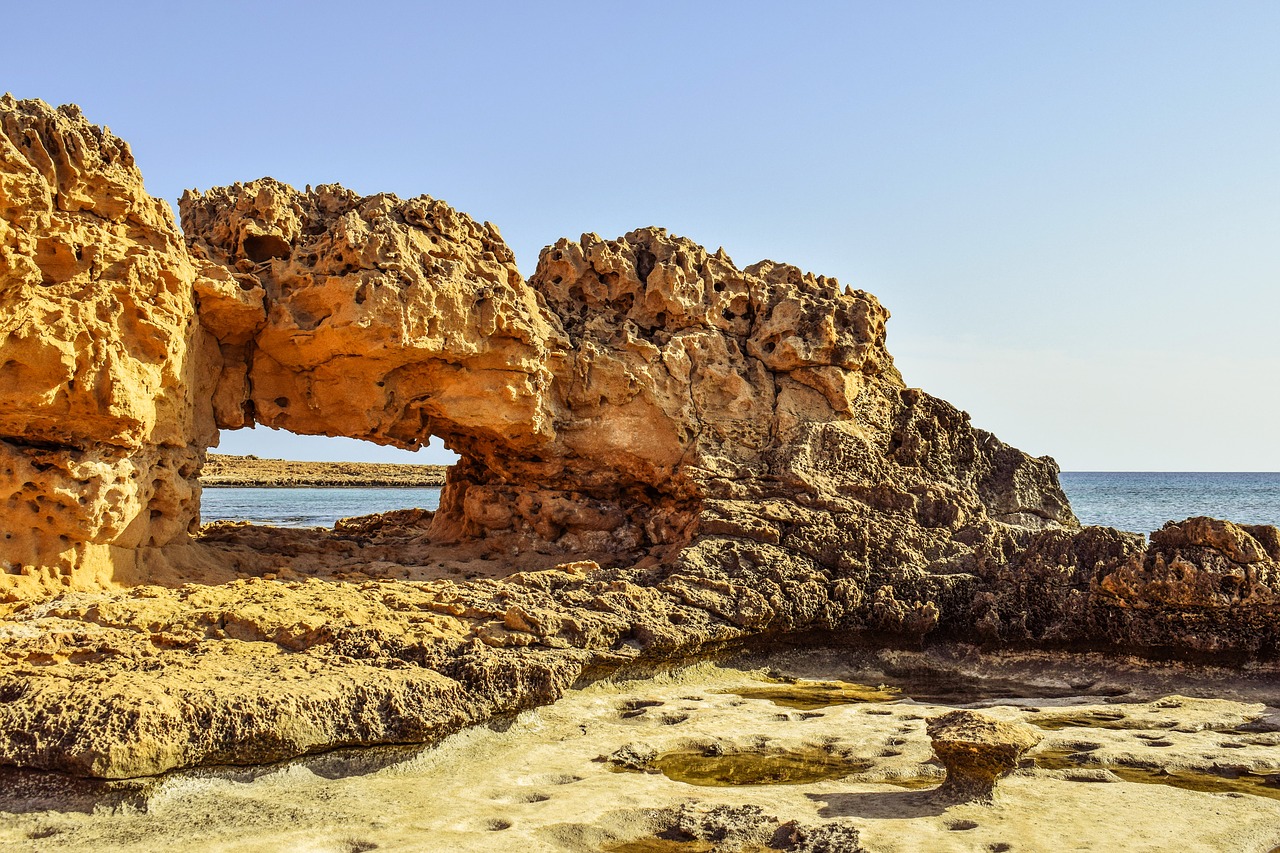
[(661, 454), (598, 407), (977, 750), (635, 394), (103, 404), (1202, 563), (1200, 586)]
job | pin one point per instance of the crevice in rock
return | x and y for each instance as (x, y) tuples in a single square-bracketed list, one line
[(27, 443)]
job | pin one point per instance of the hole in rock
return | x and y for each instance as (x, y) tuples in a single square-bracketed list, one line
[(336, 509), (645, 261), (265, 247), (280, 479)]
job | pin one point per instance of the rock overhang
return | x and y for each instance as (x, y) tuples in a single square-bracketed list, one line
[(661, 452)]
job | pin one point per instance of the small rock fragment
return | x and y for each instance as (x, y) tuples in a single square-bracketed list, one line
[(633, 756)]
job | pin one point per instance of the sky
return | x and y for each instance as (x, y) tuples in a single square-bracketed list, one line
[(1072, 209)]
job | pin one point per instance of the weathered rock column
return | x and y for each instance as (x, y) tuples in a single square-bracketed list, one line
[(103, 407), (977, 751)]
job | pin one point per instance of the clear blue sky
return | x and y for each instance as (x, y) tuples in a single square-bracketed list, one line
[(1072, 209)]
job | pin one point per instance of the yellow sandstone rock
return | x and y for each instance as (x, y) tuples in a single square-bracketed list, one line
[(661, 453), (104, 403)]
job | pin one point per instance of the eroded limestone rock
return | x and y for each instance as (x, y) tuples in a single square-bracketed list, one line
[(602, 408), (1200, 585), (977, 750), (377, 318), (662, 453), (103, 400)]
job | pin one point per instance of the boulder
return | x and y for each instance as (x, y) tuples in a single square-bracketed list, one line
[(977, 750)]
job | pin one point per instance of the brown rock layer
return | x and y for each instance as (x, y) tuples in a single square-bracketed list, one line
[(1202, 586), (662, 453)]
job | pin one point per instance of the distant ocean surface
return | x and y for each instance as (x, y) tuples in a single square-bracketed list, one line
[(1143, 502), (1140, 502), (308, 507)]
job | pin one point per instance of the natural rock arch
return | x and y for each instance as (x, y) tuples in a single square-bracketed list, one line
[(633, 395), (662, 454), (597, 407)]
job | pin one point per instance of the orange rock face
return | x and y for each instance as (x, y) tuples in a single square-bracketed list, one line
[(373, 318), (661, 453), (632, 395), (103, 413)]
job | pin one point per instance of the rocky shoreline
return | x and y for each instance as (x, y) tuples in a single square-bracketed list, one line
[(664, 456), (225, 470), (797, 750)]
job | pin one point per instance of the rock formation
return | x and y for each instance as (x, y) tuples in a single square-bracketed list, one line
[(599, 407), (977, 750), (103, 405), (747, 829), (1201, 586), (373, 318), (661, 453)]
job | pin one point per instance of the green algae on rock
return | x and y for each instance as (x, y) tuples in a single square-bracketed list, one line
[(762, 767)]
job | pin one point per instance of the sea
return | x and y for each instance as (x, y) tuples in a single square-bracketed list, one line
[(1137, 502), (1144, 501), (308, 507)]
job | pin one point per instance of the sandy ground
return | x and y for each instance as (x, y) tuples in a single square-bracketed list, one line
[(222, 470), (1106, 776)]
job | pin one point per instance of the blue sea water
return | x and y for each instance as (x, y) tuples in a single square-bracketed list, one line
[(308, 507), (1140, 502), (1143, 502)]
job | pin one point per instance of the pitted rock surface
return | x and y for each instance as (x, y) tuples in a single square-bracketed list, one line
[(662, 454), (103, 394), (977, 750)]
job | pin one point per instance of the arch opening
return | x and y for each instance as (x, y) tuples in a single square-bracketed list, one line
[(280, 479)]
